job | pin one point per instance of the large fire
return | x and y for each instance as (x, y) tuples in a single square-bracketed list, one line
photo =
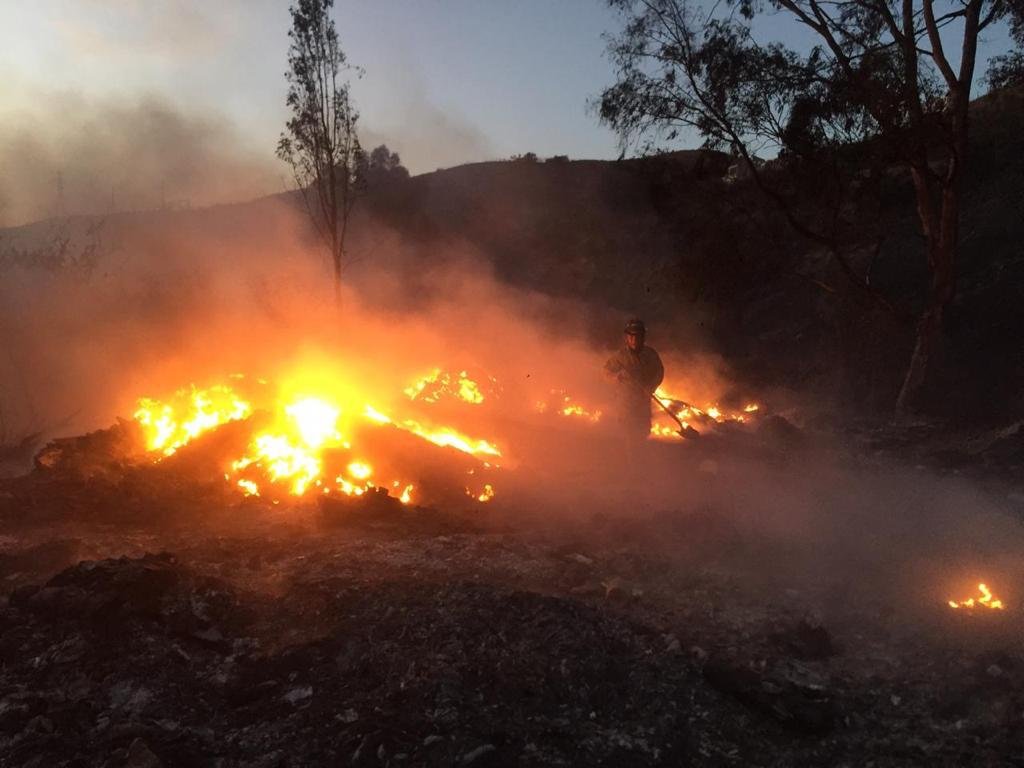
[(313, 435), (307, 444)]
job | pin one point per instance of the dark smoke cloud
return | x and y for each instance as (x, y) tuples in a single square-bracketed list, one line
[(70, 154)]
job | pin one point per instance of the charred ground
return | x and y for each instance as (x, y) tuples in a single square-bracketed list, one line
[(152, 618)]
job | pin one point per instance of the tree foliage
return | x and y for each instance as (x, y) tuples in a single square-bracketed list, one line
[(384, 166), (1008, 69), (877, 86), (320, 141)]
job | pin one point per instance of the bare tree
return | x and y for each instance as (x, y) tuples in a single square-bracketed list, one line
[(880, 75), (320, 142)]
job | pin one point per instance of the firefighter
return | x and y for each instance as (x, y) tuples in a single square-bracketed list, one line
[(638, 371)]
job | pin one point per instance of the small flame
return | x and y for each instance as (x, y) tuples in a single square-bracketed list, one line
[(986, 600), (359, 470), (406, 496), (565, 405), (249, 488), (686, 413), (439, 384), (484, 496)]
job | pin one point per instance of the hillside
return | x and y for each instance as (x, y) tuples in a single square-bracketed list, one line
[(704, 259), (671, 238)]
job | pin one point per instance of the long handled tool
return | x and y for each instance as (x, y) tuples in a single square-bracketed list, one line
[(685, 430)]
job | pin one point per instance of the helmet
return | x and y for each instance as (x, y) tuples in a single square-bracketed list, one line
[(636, 327)]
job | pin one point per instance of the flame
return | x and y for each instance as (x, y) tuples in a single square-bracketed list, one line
[(168, 426), (359, 470), (446, 437), (688, 413), (484, 496), (986, 600), (406, 495), (565, 405), (569, 408), (439, 384), (315, 420), (249, 488), (289, 453), (304, 441)]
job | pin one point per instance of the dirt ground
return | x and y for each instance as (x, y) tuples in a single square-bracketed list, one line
[(150, 623)]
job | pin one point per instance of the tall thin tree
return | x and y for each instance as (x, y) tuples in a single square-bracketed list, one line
[(320, 141)]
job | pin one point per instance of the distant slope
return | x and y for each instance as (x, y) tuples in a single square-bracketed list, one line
[(707, 261)]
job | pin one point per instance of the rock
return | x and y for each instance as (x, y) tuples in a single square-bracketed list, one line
[(802, 708), (274, 759), (298, 694), (211, 637), (349, 716), (129, 698), (114, 589), (140, 756), (471, 757), (432, 739), (15, 714), (39, 725)]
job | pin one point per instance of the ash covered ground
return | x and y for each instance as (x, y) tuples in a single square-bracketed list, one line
[(152, 618)]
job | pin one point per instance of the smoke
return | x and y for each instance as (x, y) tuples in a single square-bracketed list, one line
[(191, 297), (428, 137), (68, 154)]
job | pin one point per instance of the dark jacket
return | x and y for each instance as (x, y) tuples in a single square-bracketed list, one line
[(638, 374)]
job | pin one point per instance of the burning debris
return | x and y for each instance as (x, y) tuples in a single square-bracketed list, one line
[(320, 434), (191, 412), (687, 414), (683, 414), (305, 442), (439, 385), (987, 600), (562, 403)]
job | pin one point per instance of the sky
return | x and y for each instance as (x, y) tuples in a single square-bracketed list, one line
[(508, 76), (446, 82)]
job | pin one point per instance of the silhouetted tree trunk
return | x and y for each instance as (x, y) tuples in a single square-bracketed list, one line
[(938, 193)]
